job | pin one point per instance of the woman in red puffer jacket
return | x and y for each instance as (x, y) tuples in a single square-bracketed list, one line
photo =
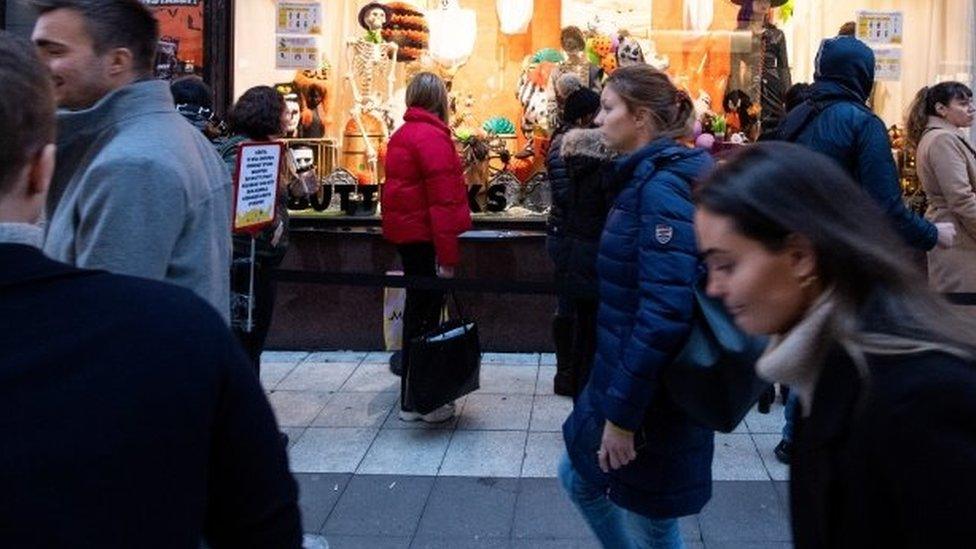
[(425, 208)]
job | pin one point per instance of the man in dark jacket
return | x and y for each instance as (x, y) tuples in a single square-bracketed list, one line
[(130, 416), (835, 121)]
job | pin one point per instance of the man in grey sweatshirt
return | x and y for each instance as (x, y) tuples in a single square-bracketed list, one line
[(137, 190)]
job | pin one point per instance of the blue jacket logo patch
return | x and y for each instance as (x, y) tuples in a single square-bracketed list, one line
[(663, 233)]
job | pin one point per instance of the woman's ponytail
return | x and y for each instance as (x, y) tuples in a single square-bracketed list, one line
[(917, 118)]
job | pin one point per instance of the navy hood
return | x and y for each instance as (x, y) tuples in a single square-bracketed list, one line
[(846, 62)]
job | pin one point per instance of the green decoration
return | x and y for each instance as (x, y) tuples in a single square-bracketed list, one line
[(787, 10), (551, 55), (498, 125)]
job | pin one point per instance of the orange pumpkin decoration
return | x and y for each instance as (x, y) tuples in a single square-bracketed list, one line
[(602, 45)]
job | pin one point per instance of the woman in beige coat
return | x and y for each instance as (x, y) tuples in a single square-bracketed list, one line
[(946, 160)]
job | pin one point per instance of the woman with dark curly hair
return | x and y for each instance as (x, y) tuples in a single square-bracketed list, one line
[(259, 115)]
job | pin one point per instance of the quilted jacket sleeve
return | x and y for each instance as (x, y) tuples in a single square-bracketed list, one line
[(878, 175), (667, 268), (447, 199)]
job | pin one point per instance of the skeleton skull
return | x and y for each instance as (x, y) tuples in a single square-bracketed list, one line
[(375, 19)]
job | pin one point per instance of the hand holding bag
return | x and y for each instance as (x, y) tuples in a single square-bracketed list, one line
[(444, 364), (713, 379)]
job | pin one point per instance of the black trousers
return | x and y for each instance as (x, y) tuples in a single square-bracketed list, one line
[(584, 340), (422, 310), (265, 290)]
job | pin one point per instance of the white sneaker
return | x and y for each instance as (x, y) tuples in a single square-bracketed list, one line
[(439, 415)]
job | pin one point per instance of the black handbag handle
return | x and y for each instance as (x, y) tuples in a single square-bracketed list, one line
[(457, 306)]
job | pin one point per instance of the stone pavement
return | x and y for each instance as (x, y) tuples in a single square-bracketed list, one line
[(487, 478)]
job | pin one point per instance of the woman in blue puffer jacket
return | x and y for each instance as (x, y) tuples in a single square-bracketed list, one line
[(635, 462)]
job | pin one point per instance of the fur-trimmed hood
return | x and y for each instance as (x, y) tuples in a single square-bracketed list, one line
[(585, 143)]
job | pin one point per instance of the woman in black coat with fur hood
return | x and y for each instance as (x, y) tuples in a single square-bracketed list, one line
[(581, 197)]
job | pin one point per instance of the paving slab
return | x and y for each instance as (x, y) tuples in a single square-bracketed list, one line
[(282, 356), (496, 412), (337, 356), (318, 494), (368, 542), (297, 408), (380, 505), (550, 412), (736, 458), (331, 449), (522, 359), (542, 454), (406, 452), (508, 379), (356, 410), (744, 512), (273, 372), (485, 454), (372, 378), (766, 444), (543, 511), (317, 376), (470, 509)]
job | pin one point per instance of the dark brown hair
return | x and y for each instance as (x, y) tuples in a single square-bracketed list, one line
[(924, 106), (773, 190), (114, 24), (26, 107), (257, 114), (427, 91), (643, 86)]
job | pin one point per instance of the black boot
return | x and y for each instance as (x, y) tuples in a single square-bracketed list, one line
[(766, 400), (564, 383)]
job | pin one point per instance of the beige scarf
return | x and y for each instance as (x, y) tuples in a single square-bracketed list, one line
[(795, 358)]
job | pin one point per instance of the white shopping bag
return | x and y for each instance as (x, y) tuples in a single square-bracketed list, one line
[(394, 300)]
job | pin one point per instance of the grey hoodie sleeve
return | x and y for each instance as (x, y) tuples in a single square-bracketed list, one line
[(130, 218)]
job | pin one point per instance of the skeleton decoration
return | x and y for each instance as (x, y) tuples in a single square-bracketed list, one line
[(629, 52), (371, 77), (538, 98)]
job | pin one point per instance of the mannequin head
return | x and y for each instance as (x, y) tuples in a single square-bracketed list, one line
[(304, 158)]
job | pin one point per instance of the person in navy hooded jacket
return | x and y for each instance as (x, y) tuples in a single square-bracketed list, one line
[(635, 462), (835, 121)]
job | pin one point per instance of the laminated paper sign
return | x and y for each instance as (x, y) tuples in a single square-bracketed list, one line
[(256, 186), (887, 64), (880, 27), (299, 18), (297, 52)]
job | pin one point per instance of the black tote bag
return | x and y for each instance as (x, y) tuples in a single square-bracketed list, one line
[(444, 364), (714, 379)]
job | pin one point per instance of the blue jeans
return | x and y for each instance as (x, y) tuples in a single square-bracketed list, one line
[(614, 526), (789, 414)]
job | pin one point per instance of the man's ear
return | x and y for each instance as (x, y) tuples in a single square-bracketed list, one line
[(41, 171), (120, 62)]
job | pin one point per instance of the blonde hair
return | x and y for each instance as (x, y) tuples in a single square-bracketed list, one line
[(427, 91), (643, 86)]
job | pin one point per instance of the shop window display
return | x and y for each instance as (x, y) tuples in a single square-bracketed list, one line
[(502, 58), (181, 27)]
